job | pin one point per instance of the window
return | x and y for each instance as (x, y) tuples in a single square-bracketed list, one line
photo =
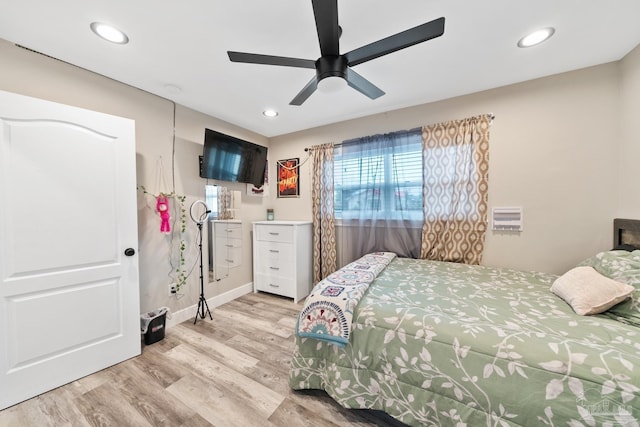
[(379, 177), (388, 186)]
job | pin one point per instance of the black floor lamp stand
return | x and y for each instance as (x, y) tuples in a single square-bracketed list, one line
[(202, 302)]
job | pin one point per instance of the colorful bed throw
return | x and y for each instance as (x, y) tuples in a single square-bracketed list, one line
[(328, 310)]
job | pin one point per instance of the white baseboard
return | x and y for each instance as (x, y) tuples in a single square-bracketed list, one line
[(190, 312)]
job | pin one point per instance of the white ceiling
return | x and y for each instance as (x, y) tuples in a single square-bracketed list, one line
[(184, 43)]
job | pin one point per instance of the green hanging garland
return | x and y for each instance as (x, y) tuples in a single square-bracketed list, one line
[(179, 272)]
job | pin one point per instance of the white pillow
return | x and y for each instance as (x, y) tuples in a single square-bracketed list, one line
[(589, 292)]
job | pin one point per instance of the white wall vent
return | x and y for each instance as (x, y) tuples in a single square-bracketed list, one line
[(507, 219)]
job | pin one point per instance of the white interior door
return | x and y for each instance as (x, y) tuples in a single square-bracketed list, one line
[(69, 296)]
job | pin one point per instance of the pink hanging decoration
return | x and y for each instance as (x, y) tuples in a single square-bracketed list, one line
[(162, 206)]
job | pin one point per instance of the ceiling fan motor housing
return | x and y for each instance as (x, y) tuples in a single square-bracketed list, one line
[(331, 66)]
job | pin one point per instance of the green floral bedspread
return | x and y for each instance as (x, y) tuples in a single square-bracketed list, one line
[(437, 344)]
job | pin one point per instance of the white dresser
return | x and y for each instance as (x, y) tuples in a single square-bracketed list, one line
[(228, 246), (282, 258)]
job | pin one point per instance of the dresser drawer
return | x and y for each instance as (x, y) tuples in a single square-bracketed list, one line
[(285, 286), (275, 258), (229, 257), (221, 242), (228, 230), (274, 233)]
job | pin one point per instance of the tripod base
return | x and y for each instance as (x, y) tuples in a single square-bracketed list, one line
[(202, 304)]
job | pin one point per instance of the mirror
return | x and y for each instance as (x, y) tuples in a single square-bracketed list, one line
[(219, 201)]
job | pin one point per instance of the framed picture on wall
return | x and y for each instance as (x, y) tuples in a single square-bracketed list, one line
[(289, 177)]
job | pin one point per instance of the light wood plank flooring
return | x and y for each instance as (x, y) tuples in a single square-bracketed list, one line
[(231, 371)]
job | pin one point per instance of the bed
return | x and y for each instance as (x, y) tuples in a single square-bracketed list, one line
[(436, 344)]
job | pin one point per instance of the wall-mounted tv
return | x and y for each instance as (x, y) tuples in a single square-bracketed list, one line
[(227, 158)]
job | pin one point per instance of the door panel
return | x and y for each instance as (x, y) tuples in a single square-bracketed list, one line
[(53, 334), (69, 298), (48, 196)]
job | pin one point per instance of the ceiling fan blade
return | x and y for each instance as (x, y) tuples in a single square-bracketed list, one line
[(305, 92), (255, 58), (415, 35), (363, 85), (326, 14)]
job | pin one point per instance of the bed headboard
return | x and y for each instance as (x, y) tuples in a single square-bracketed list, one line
[(626, 233)]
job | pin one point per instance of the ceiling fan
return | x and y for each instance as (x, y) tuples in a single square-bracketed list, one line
[(332, 63)]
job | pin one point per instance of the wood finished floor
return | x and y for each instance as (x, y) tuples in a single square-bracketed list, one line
[(231, 371)]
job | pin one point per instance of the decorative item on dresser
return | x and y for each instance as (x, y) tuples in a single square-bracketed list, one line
[(282, 261), (227, 246)]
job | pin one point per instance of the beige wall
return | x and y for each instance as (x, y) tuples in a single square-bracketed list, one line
[(630, 139), (562, 147), (35, 75), (555, 150)]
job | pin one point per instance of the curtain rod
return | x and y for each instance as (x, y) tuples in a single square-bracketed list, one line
[(490, 115)]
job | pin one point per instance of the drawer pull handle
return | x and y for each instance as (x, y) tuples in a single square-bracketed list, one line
[(230, 261), (274, 234), (274, 251), (275, 268), (274, 286), (229, 246)]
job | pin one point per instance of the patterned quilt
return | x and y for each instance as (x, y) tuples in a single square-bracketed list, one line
[(328, 311), (444, 344)]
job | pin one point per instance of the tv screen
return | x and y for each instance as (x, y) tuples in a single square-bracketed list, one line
[(227, 158)]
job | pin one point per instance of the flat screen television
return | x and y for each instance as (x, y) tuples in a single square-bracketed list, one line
[(227, 158)]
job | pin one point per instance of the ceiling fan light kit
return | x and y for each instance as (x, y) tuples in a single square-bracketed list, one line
[(332, 63), (331, 84)]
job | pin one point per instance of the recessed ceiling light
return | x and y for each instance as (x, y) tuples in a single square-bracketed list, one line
[(536, 37), (172, 89), (109, 33), (270, 113)]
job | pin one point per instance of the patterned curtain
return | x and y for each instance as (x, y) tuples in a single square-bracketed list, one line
[(324, 235), (224, 203), (455, 189)]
